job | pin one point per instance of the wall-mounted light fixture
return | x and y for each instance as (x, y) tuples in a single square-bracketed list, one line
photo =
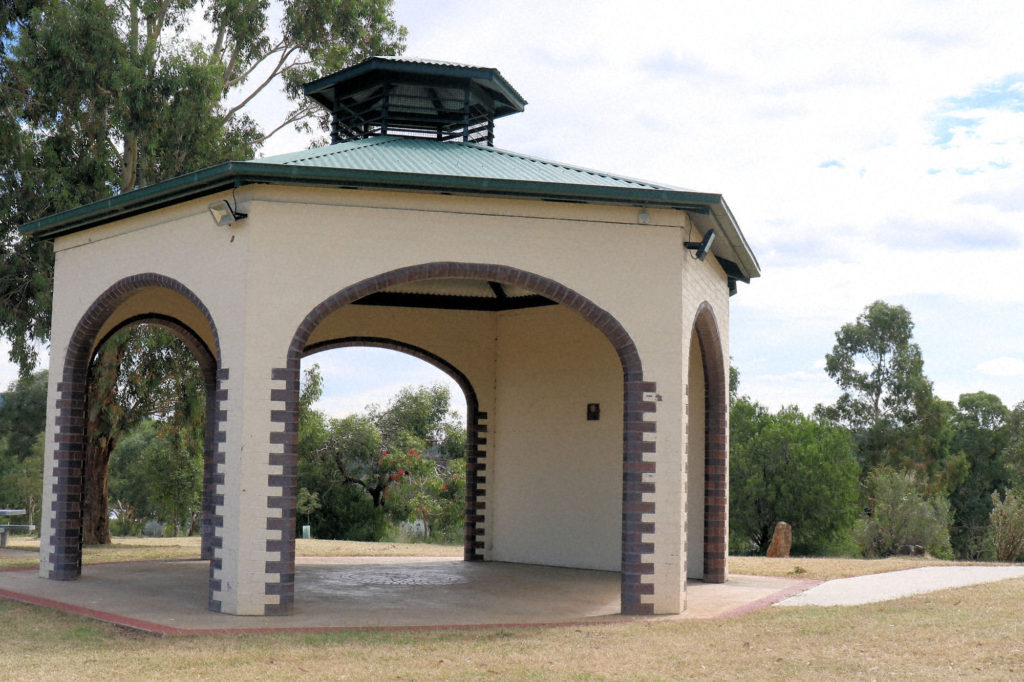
[(702, 246), (223, 214)]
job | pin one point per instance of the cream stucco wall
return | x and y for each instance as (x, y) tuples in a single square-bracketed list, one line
[(463, 338), (556, 483), (261, 277)]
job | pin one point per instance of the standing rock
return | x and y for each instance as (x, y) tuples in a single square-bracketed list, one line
[(782, 540)]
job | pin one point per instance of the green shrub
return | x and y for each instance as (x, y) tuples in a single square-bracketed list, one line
[(1006, 526), (788, 467), (900, 514)]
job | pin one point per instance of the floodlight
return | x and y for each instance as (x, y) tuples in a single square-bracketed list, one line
[(223, 214), (703, 246)]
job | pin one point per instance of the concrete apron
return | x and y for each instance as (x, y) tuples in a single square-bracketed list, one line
[(170, 597)]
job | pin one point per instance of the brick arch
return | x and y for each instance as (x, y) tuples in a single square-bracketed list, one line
[(716, 451), (638, 454), (475, 432), (64, 553)]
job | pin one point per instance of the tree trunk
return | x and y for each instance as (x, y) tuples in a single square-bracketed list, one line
[(130, 162), (95, 512), (102, 429), (378, 496)]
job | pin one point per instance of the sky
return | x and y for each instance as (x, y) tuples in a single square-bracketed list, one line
[(869, 150)]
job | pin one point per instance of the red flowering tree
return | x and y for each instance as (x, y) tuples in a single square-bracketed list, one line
[(408, 457), (354, 447), (433, 492)]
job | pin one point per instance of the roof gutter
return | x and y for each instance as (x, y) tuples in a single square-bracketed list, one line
[(239, 173)]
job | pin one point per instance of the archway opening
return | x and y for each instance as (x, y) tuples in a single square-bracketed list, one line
[(382, 444), (145, 436), (708, 458), (474, 342), (159, 303)]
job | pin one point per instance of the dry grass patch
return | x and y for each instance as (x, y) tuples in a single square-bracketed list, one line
[(827, 568), (121, 549), (337, 548), (143, 549)]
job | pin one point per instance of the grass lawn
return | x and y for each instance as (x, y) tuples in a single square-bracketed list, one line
[(975, 632)]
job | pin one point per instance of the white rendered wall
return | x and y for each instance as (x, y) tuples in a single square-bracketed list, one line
[(556, 478)]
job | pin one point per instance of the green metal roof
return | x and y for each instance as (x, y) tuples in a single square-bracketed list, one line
[(426, 156), (421, 165)]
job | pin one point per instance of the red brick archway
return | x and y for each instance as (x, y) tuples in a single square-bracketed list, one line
[(65, 550), (716, 449), (638, 454)]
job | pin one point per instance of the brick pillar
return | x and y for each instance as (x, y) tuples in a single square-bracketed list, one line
[(253, 569)]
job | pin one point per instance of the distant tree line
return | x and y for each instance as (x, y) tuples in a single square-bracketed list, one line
[(392, 472), (888, 468)]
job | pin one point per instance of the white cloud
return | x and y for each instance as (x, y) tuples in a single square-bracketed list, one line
[(818, 123), (8, 370), (805, 389), (1002, 367)]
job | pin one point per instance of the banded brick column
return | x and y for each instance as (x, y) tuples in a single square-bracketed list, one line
[(476, 488), (213, 489), (252, 572), (283, 485), (716, 447), (638, 498)]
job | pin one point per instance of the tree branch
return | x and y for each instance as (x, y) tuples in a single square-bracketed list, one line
[(277, 71), (297, 115), (231, 80)]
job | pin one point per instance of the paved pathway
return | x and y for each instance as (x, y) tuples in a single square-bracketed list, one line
[(866, 589)]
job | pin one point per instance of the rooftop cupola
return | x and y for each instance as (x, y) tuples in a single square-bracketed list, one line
[(393, 96)]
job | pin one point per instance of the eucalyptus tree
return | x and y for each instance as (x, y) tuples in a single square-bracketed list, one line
[(981, 433), (887, 402), (22, 424), (102, 97)]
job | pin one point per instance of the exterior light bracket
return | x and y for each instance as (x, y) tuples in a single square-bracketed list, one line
[(703, 246)]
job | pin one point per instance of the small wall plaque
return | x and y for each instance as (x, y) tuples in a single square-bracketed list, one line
[(593, 412)]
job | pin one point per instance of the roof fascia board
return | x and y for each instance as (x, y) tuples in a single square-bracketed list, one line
[(237, 174), (191, 185), (747, 260)]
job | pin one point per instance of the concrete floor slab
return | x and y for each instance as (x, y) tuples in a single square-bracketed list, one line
[(170, 597)]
